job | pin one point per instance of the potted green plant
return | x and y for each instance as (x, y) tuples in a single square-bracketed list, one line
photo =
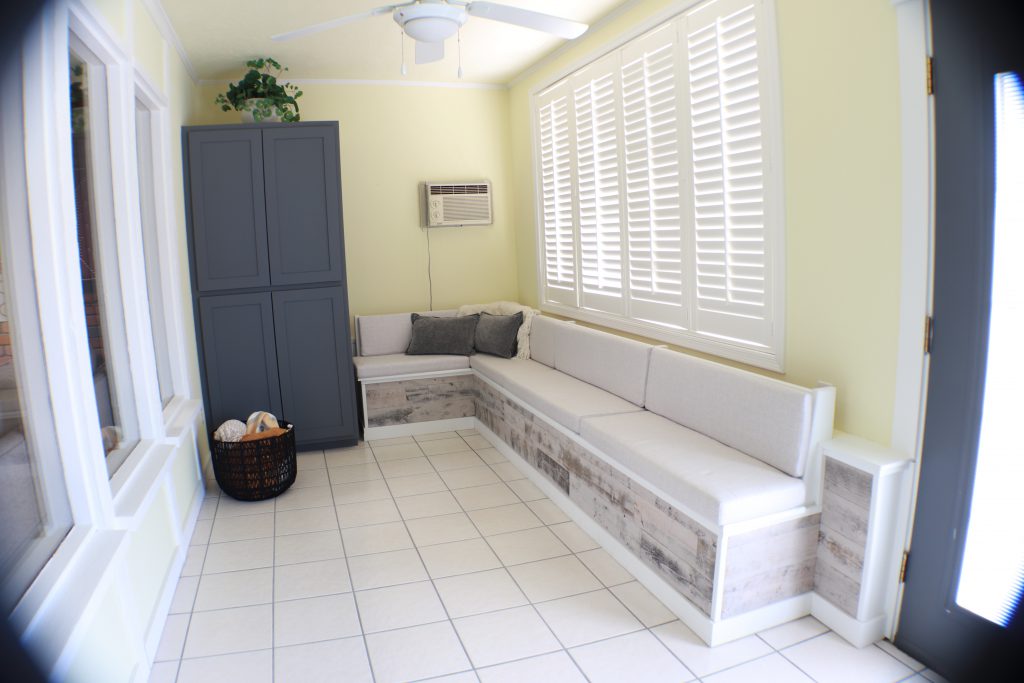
[(259, 95)]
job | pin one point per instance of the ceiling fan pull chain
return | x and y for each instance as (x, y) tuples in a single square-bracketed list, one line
[(401, 44), (460, 51)]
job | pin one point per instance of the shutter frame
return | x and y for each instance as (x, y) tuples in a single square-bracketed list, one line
[(556, 196), (733, 246)]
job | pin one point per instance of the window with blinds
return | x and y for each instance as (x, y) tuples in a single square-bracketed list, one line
[(659, 212)]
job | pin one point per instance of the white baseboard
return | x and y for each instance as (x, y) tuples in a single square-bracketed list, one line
[(163, 607), (858, 633), (392, 431), (711, 632)]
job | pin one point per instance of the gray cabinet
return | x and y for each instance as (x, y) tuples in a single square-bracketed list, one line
[(228, 209), (266, 247), (303, 196), (312, 354), (240, 356)]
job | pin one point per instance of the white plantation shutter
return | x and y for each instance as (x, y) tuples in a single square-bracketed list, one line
[(650, 106), (732, 263), (595, 103), (660, 212), (556, 192)]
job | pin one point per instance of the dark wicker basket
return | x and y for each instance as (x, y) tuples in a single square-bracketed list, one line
[(258, 469)]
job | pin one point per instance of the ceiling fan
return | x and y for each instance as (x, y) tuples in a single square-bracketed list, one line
[(431, 22)]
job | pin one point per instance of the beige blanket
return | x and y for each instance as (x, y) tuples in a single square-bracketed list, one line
[(508, 308)]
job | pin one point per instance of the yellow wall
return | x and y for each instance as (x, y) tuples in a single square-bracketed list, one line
[(841, 155), (392, 138)]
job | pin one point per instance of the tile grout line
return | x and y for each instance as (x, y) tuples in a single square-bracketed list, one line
[(351, 582), (430, 578), (519, 587), (782, 653), (273, 593), (601, 583), (199, 583)]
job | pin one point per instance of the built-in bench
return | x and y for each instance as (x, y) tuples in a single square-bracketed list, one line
[(704, 479)]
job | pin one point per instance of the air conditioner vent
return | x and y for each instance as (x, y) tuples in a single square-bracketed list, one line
[(450, 204)]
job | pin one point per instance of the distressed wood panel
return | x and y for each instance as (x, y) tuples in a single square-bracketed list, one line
[(673, 545), (837, 588), (556, 473), (848, 482), (842, 540), (420, 400), (845, 518), (770, 564), (841, 554)]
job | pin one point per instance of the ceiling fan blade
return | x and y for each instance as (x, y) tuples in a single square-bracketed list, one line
[(563, 28), (333, 23), (429, 52)]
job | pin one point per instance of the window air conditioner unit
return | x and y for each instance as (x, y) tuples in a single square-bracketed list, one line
[(449, 204)]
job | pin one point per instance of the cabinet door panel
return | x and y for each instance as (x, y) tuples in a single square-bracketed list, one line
[(303, 204), (229, 220), (240, 356), (314, 354)]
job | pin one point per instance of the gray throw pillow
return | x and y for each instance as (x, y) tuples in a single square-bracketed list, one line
[(496, 334), (450, 336)]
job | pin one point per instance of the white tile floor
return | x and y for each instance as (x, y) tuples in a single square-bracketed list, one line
[(434, 558)]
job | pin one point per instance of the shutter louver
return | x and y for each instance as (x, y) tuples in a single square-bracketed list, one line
[(556, 198), (728, 173), (650, 104), (595, 101)]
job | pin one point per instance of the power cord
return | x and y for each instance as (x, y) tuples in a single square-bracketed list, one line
[(430, 277)]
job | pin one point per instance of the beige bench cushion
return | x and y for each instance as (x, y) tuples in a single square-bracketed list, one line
[(542, 339), (368, 367), (383, 335), (614, 363), (710, 478), (763, 417), (556, 395)]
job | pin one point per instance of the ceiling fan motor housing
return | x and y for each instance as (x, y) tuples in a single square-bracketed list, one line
[(430, 22)]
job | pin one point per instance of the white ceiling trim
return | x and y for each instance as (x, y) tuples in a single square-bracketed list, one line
[(166, 28), (387, 82)]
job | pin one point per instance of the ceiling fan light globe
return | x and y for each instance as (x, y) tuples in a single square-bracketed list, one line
[(431, 29), (430, 22)]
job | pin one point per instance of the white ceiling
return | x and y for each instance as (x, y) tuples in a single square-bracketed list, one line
[(220, 35)]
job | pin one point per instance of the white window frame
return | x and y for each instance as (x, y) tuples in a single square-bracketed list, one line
[(770, 356), (167, 244), (103, 508), (29, 363)]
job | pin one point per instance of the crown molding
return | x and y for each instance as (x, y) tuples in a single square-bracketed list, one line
[(166, 28)]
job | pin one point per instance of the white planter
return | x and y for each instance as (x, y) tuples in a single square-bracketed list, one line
[(247, 116)]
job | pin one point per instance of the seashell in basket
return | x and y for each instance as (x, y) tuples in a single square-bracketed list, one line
[(260, 421), (230, 431)]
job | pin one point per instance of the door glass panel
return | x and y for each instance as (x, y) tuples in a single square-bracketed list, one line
[(993, 565), (97, 252)]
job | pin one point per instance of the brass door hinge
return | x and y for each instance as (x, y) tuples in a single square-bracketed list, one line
[(929, 83), (929, 333), (903, 566)]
